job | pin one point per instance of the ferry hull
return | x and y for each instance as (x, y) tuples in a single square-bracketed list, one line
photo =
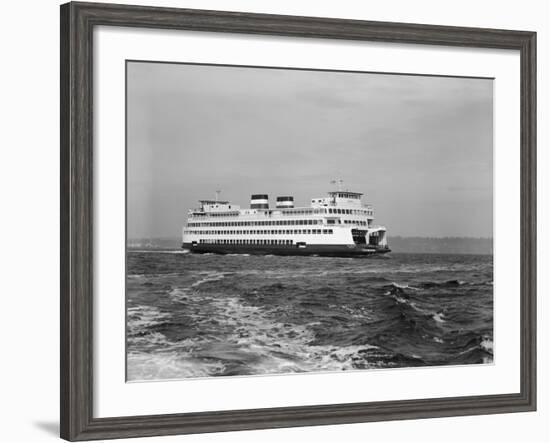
[(318, 250)]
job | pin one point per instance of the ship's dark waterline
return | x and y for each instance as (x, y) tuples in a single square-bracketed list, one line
[(214, 315)]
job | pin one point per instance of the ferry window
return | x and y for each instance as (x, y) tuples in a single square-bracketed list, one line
[(330, 222)]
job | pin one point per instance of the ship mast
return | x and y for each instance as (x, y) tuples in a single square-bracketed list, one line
[(339, 182)]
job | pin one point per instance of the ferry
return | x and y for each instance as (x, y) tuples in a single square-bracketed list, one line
[(336, 225)]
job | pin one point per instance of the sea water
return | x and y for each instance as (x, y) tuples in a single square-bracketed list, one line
[(193, 315)]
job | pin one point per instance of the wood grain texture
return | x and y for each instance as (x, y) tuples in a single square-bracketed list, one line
[(76, 307)]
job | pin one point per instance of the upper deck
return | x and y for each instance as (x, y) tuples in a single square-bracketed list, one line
[(336, 202), (338, 207)]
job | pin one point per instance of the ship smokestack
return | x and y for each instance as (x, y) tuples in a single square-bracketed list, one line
[(285, 202), (259, 201)]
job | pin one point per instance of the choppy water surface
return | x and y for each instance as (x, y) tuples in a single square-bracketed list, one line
[(209, 315)]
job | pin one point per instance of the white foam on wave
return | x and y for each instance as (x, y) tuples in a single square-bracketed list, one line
[(487, 344), (438, 317), (404, 286), (140, 320), (252, 340), (210, 277), (399, 299), (143, 316), (280, 347), (169, 365)]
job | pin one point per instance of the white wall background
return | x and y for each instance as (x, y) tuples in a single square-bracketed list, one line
[(29, 184)]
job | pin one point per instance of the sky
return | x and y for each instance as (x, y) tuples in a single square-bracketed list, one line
[(419, 147)]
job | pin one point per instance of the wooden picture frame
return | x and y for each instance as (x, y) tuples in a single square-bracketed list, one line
[(77, 23)]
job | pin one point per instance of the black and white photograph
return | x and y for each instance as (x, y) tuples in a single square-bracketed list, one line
[(284, 221)]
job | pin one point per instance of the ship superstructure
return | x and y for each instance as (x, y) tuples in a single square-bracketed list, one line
[(336, 225)]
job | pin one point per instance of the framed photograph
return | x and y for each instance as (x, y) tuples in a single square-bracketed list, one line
[(272, 221)]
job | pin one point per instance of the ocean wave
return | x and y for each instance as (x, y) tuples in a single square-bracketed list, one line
[(142, 316), (254, 343), (169, 366), (210, 277), (445, 284), (219, 316), (487, 344)]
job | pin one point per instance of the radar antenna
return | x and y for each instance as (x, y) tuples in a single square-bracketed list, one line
[(338, 182), (218, 194)]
